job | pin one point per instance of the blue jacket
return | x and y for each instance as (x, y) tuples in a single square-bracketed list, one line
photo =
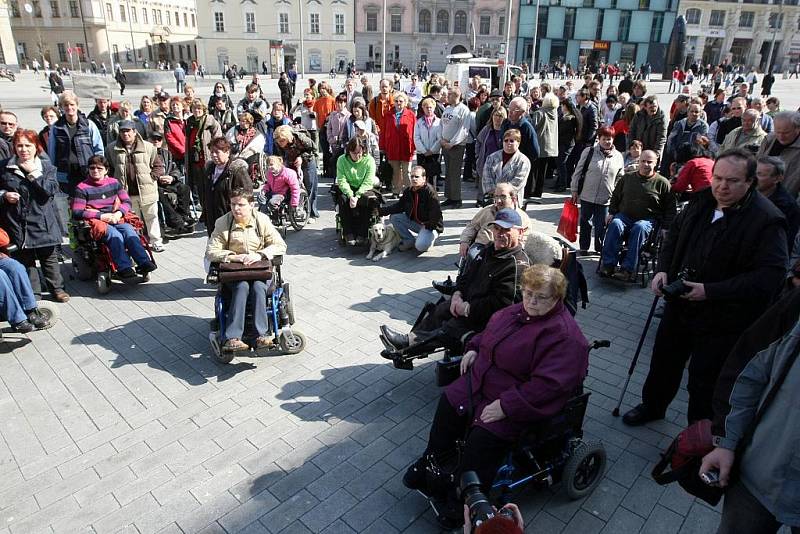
[(32, 222), (87, 143), (269, 131)]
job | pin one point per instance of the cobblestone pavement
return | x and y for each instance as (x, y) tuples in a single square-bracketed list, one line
[(117, 419)]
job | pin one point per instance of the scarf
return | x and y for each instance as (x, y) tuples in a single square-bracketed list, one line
[(428, 120), (198, 138), (243, 138), (606, 153)]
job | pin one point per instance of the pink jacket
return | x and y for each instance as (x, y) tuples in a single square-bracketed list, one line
[(282, 184)]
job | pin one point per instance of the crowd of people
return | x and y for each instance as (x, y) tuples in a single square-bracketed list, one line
[(627, 159)]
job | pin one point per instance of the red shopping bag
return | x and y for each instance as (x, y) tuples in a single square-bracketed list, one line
[(568, 223)]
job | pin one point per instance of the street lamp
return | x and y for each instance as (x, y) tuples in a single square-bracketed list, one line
[(778, 20)]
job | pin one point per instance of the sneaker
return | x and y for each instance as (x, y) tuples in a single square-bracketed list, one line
[(128, 275), (350, 239), (59, 295), (625, 276), (157, 247), (606, 271), (145, 268), (264, 342), (23, 327), (37, 319), (235, 345)]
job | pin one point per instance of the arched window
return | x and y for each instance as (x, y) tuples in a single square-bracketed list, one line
[(424, 21), (442, 22), (692, 16), (460, 22)]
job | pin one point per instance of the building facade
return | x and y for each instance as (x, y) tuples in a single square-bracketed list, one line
[(743, 32), (251, 32), (581, 32), (75, 32), (429, 30), (8, 50)]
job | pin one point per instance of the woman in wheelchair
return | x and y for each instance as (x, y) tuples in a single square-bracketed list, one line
[(356, 180), (520, 371), (245, 140), (103, 203), (244, 236), (280, 185)]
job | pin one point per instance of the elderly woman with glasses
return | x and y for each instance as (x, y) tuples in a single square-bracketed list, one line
[(507, 165), (520, 371), (244, 138)]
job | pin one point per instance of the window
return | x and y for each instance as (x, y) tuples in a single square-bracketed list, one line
[(372, 22), (155, 17), (775, 21), (544, 19), (692, 16), (15, 9), (62, 52), (55, 12), (460, 22), (501, 30), (283, 23), (144, 16), (314, 22), (160, 20), (250, 22), (2, 54), (717, 18), (109, 12), (219, 22), (178, 19), (133, 15), (484, 28), (73, 9), (22, 51), (180, 51), (169, 18), (589, 4), (598, 33), (624, 26), (746, 19), (115, 53), (569, 22), (81, 51), (442, 22), (37, 8), (396, 23), (644, 4), (193, 21), (122, 15), (655, 29), (186, 20), (424, 21), (338, 23)]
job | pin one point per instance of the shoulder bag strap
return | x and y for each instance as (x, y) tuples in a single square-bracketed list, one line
[(585, 169)]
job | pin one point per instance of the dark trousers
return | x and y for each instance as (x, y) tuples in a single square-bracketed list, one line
[(48, 259), (677, 340), (542, 170), (743, 514), (176, 212), (324, 148), (355, 221), (592, 216), (454, 330), (483, 451), (469, 162), (564, 178), (432, 165)]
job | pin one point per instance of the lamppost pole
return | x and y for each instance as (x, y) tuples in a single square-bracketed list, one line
[(85, 36), (130, 27), (108, 39), (383, 53), (778, 18), (302, 43)]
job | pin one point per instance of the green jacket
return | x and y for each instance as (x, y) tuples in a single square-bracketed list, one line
[(355, 178), (644, 198)]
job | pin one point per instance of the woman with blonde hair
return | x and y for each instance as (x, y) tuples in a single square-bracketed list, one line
[(545, 123), (297, 151)]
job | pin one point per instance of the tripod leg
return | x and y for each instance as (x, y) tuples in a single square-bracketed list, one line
[(615, 413)]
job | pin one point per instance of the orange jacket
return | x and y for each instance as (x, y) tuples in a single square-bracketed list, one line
[(378, 108), (322, 107)]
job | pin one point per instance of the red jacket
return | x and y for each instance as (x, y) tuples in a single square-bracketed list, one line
[(175, 135), (397, 141)]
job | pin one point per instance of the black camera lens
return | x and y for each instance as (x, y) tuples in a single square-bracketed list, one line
[(480, 509)]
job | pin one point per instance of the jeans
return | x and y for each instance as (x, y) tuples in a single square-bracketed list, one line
[(241, 292), (592, 216), (16, 294), (311, 180), (743, 514), (637, 234), (404, 226), (563, 156), (122, 240)]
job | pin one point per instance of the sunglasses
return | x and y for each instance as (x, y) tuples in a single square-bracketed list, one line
[(7, 123)]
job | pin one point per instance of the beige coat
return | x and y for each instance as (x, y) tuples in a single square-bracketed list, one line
[(737, 138), (791, 156), (477, 230), (230, 238), (145, 158)]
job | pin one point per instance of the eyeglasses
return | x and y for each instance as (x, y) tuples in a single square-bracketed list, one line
[(2, 123), (509, 140), (500, 197)]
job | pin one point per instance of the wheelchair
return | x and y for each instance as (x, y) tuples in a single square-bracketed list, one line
[(283, 215), (374, 217), (93, 260), (550, 452), (647, 261), (280, 317)]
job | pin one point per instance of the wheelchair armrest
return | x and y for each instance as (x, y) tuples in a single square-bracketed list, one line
[(277, 261), (10, 248)]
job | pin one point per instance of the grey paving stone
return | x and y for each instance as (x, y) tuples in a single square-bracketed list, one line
[(544, 522), (643, 496), (605, 499), (406, 511), (209, 490), (280, 518), (585, 523), (338, 527), (209, 512), (249, 512), (700, 518), (79, 520), (66, 487), (623, 522), (369, 510), (329, 483), (374, 477), (328, 511), (103, 487), (298, 478), (662, 521), (127, 515)]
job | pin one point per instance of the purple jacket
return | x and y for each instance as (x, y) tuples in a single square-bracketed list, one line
[(532, 364), (286, 184)]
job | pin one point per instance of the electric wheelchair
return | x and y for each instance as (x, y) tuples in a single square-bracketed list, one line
[(280, 317), (93, 260), (376, 202)]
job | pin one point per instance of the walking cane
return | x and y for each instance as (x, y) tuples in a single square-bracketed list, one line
[(615, 413)]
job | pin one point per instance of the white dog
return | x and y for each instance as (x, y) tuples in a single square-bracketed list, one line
[(383, 239)]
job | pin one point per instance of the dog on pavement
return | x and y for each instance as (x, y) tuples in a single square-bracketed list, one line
[(383, 239)]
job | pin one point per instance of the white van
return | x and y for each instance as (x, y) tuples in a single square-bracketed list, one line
[(462, 67)]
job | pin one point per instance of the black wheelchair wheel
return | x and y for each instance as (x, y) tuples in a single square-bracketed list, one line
[(81, 268), (298, 217), (585, 468)]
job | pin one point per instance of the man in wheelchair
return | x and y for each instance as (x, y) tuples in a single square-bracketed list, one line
[(103, 203), (516, 374), (488, 283), (242, 238), (641, 200), (281, 187), (172, 193)]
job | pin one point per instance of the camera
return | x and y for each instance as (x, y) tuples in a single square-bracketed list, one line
[(677, 288), (480, 509), (710, 477)]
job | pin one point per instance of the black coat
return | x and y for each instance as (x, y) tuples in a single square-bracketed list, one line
[(489, 282), (784, 201), (217, 193), (740, 259), (34, 221), (427, 204)]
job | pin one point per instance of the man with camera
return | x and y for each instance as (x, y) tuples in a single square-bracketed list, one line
[(722, 262)]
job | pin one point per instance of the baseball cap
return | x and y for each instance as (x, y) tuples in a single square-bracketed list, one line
[(496, 93), (163, 95), (126, 125), (361, 125), (155, 134), (507, 218)]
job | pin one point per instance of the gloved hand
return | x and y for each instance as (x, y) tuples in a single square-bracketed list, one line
[(275, 200), (353, 202)]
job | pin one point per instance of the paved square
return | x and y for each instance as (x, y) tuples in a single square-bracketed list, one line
[(118, 420)]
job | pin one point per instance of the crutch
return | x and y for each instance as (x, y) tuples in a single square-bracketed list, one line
[(615, 413)]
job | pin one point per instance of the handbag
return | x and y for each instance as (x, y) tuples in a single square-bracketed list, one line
[(685, 454), (568, 223), (239, 272)]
